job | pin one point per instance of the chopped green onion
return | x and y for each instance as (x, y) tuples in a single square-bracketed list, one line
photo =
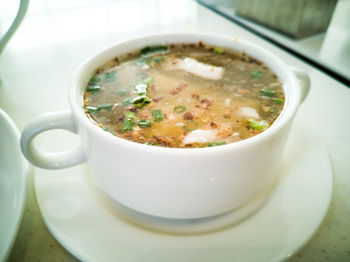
[(141, 100), (153, 49), (93, 87), (279, 101), (148, 80), (130, 115), (141, 87), (179, 109), (91, 109), (144, 123), (211, 144), (95, 109), (106, 129), (218, 50), (144, 79), (190, 126), (256, 74), (267, 92), (142, 63), (105, 107), (158, 115), (94, 80), (149, 61), (150, 144), (156, 59), (123, 92), (110, 76), (127, 101), (128, 125), (255, 125)]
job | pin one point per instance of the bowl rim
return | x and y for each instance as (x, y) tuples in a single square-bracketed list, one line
[(87, 68)]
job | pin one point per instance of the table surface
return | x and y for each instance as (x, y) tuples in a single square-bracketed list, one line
[(57, 36)]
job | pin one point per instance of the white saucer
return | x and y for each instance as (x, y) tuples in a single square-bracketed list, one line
[(92, 230), (13, 170)]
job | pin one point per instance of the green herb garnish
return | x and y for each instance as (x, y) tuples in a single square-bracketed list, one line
[(106, 129), (129, 122), (267, 92), (105, 107), (153, 49), (110, 76), (91, 109), (156, 59), (255, 125), (141, 101), (256, 74), (142, 63), (127, 101), (211, 144), (130, 115), (94, 80), (158, 115), (218, 50), (148, 61), (96, 109), (144, 123), (190, 126), (179, 109), (148, 80), (128, 125), (93, 87), (278, 101), (144, 79)]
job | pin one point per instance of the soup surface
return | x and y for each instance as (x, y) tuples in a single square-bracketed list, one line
[(184, 95)]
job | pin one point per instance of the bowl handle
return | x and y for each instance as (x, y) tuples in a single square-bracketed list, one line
[(50, 160), (304, 81), (23, 6)]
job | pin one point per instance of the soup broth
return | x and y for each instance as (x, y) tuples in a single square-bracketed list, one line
[(184, 95)]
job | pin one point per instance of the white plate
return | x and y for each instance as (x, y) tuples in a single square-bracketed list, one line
[(92, 230), (13, 170)]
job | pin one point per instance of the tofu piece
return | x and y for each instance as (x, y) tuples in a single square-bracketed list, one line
[(248, 112), (197, 68), (201, 136)]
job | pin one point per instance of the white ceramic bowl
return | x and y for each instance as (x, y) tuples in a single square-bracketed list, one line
[(171, 182)]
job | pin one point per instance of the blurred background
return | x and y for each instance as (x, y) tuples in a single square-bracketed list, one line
[(316, 30)]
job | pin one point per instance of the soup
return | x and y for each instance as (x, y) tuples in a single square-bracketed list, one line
[(184, 96)]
